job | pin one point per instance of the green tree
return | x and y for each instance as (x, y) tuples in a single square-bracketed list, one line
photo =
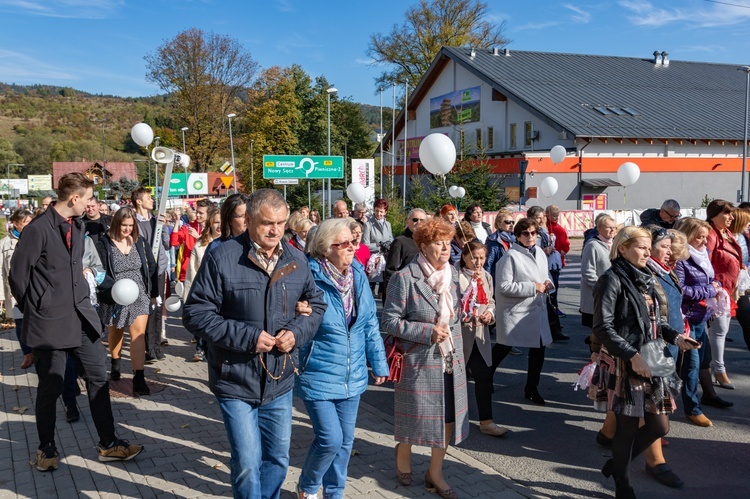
[(410, 48), (207, 74), (7, 154)]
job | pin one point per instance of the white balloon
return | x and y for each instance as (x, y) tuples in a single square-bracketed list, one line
[(114, 207), (142, 134), (179, 288), (557, 154), (548, 187), (461, 192), (356, 192), (453, 191), (125, 292), (172, 304), (628, 173), (437, 153)]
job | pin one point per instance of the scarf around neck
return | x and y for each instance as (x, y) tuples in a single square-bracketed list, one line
[(701, 258), (344, 283), (657, 268), (637, 285), (440, 282)]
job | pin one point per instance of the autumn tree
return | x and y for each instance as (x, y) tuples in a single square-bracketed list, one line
[(207, 74), (410, 48)]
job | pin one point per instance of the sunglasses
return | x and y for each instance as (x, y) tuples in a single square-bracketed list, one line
[(345, 244), (529, 233), (417, 220), (509, 222)]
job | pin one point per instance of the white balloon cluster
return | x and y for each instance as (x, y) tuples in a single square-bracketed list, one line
[(356, 192), (456, 192)]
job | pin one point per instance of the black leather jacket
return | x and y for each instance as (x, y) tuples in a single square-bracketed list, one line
[(621, 320)]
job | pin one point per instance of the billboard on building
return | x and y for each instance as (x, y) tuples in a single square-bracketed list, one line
[(363, 172), (454, 108), (191, 184), (40, 182), (8, 186)]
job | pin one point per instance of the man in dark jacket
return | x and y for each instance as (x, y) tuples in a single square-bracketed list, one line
[(96, 223), (404, 249), (47, 281), (666, 216), (242, 302)]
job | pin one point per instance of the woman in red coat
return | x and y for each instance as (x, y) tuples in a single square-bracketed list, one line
[(726, 258)]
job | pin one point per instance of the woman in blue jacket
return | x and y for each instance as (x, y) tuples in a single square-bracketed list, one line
[(334, 364)]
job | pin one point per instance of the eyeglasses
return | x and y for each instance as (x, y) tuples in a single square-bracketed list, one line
[(509, 222), (673, 216), (529, 233), (660, 233), (417, 220), (344, 245)]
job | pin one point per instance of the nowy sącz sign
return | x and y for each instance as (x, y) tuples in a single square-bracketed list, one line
[(303, 167)]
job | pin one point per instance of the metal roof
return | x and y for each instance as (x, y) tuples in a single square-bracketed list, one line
[(684, 100), (600, 182)]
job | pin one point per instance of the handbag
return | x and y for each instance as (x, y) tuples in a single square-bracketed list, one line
[(659, 362), (555, 328), (394, 355)]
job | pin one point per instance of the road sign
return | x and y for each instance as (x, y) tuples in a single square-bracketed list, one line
[(304, 167), (226, 168), (285, 181)]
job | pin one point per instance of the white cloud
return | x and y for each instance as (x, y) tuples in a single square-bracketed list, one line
[(645, 13), (364, 62), (70, 9), (20, 68), (539, 25), (579, 15)]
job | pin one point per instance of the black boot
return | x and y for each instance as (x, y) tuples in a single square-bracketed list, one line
[(114, 373), (139, 384), (531, 393)]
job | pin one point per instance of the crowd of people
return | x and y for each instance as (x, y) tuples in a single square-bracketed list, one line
[(281, 303)]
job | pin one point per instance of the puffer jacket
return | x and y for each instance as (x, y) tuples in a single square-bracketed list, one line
[(498, 243), (621, 320), (696, 289), (232, 300), (334, 363)]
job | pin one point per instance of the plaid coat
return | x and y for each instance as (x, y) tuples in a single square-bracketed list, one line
[(410, 311)]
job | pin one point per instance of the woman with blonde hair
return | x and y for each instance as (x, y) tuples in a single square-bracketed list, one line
[(627, 316), (499, 242)]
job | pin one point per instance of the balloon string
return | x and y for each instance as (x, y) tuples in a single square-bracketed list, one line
[(458, 224)]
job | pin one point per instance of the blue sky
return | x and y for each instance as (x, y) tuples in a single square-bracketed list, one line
[(98, 45)]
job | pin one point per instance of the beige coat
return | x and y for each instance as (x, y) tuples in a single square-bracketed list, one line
[(7, 247), (521, 312), (479, 334)]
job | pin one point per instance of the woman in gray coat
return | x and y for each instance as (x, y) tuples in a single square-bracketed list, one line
[(521, 284), (378, 236), (423, 310), (594, 262)]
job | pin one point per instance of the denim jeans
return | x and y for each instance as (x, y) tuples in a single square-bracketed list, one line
[(692, 362), (327, 458), (259, 437)]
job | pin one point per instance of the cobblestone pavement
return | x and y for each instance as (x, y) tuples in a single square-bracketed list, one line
[(186, 450)]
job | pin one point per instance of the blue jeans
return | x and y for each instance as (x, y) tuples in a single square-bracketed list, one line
[(327, 459), (692, 362), (259, 437)]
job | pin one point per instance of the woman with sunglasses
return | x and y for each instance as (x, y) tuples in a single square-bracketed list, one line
[(333, 366), (626, 315), (499, 242), (521, 282), (726, 259)]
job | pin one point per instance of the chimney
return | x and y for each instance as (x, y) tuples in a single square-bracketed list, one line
[(506, 52), (665, 58), (495, 51), (473, 53), (657, 58)]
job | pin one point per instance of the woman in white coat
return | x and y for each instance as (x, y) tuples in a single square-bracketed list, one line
[(521, 284)]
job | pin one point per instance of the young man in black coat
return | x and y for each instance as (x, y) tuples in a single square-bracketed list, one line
[(46, 278)]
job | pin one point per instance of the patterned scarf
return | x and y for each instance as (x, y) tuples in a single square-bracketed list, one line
[(344, 283), (440, 282), (474, 295)]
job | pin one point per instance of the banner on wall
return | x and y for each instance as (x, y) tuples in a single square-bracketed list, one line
[(363, 172), (454, 108)]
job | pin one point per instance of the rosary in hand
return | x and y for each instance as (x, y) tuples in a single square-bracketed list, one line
[(283, 367)]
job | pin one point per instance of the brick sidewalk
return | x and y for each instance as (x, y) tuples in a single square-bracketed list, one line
[(187, 454)]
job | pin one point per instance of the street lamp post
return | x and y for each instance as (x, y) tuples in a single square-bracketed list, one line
[(104, 160), (231, 147), (331, 90), (746, 70), (183, 130), (380, 140), (252, 166), (7, 178)]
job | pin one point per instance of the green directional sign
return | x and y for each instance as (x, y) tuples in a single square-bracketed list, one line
[(304, 167)]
